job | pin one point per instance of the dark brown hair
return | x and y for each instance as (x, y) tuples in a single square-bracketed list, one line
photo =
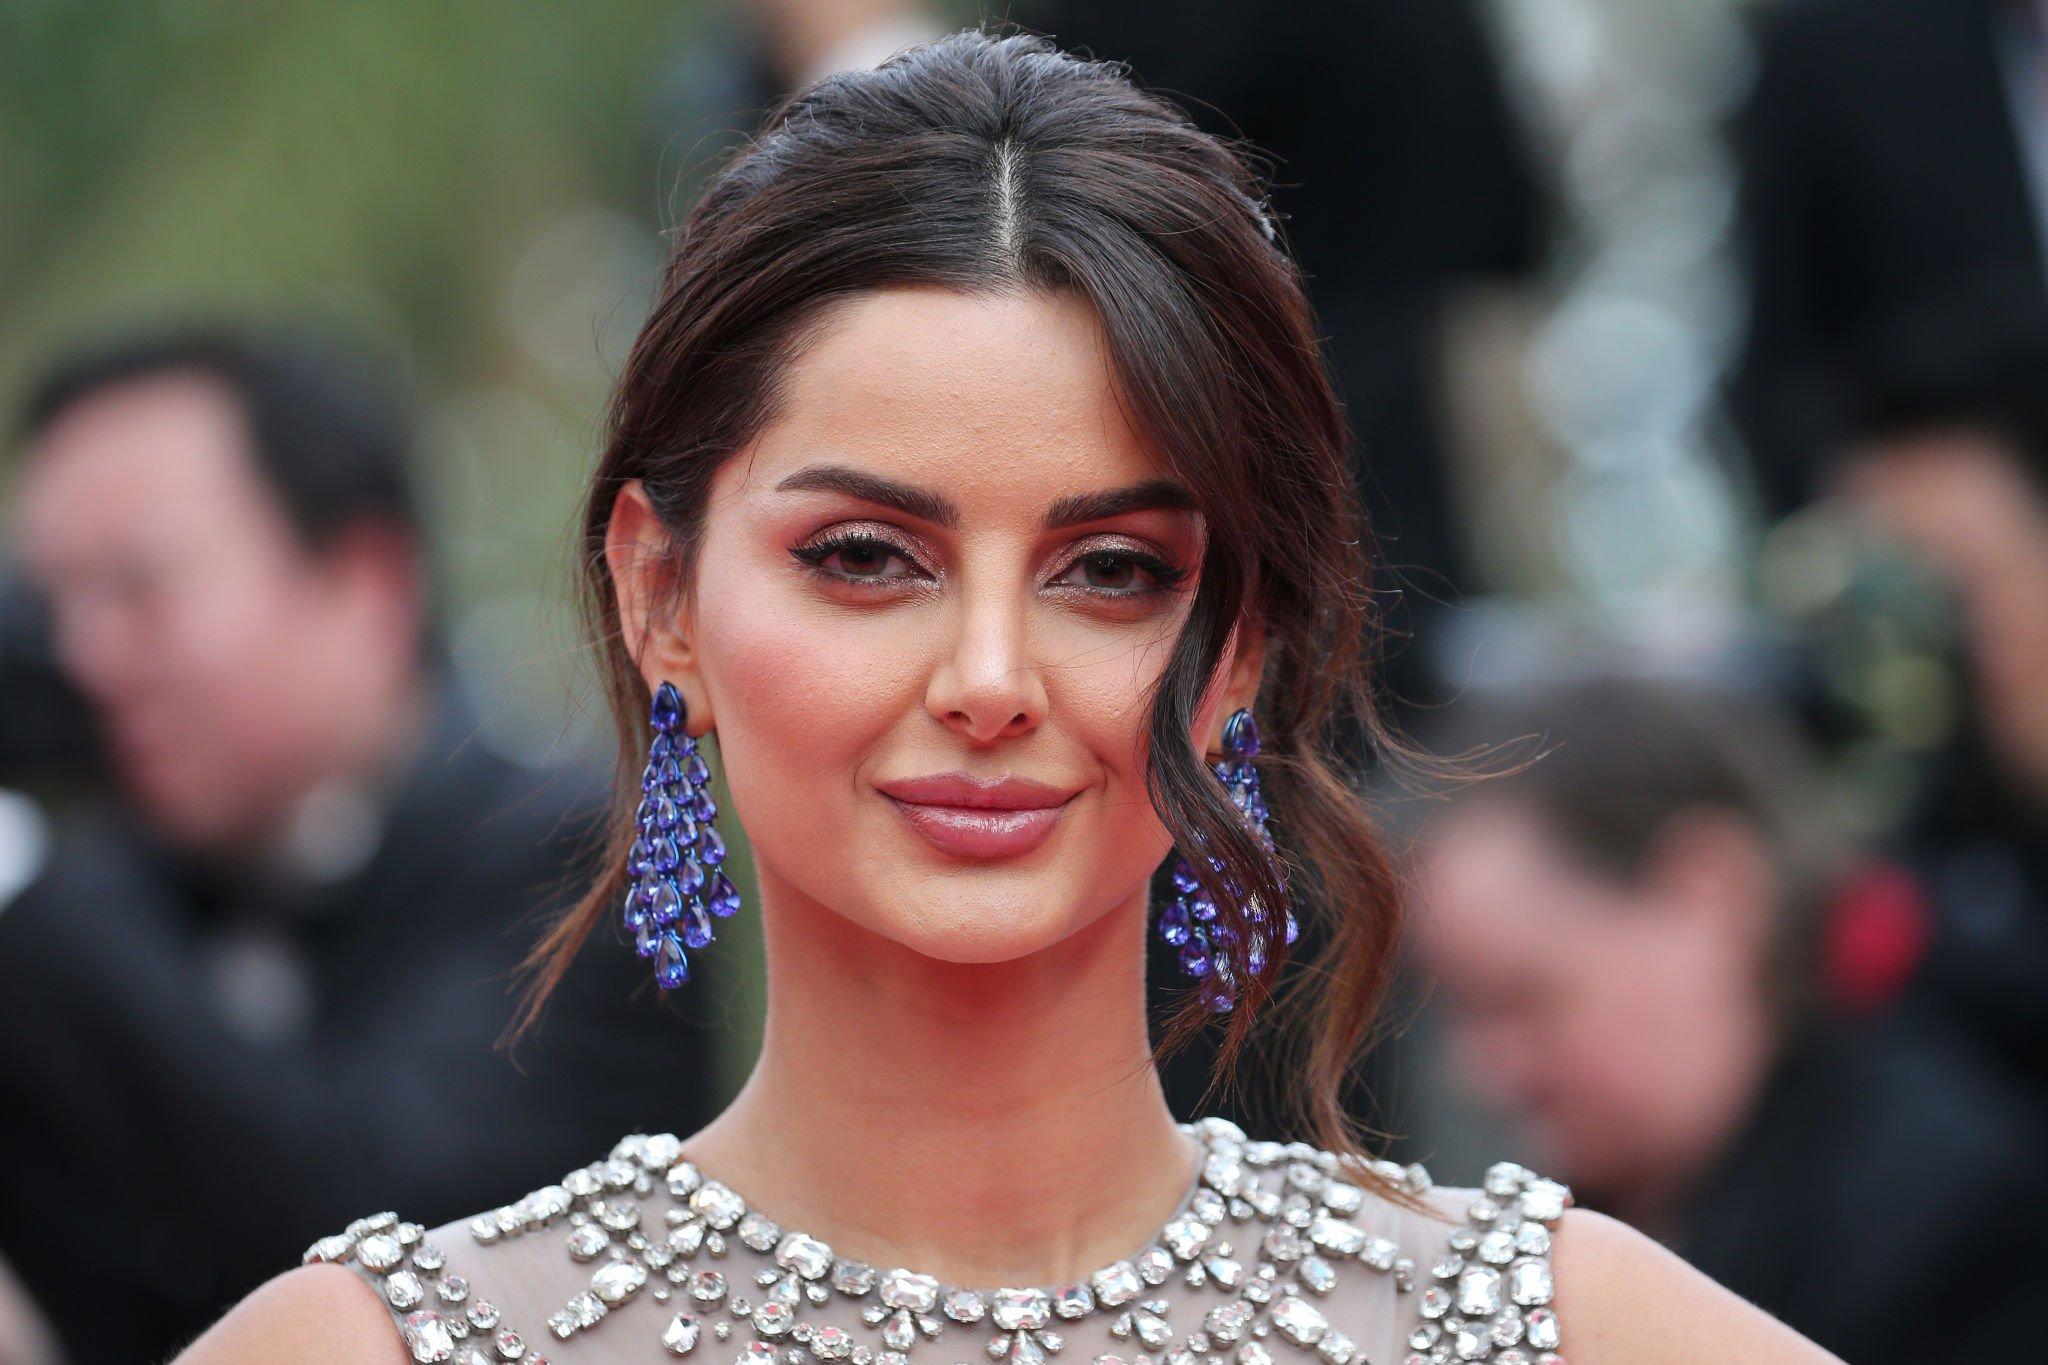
[(990, 162)]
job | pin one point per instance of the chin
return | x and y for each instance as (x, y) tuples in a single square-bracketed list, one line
[(970, 930)]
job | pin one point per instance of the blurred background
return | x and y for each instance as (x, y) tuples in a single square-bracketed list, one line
[(1699, 355)]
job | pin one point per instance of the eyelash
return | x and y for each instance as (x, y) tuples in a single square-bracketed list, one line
[(813, 554)]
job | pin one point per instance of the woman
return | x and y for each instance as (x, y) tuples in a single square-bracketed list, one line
[(975, 479)]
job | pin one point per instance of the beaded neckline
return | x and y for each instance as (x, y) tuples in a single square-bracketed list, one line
[(1243, 1273), (1181, 1210)]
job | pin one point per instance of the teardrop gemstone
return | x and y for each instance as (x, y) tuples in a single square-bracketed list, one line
[(671, 965), (665, 901), (696, 925)]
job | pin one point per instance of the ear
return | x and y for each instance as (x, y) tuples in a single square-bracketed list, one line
[(655, 626), (1246, 652)]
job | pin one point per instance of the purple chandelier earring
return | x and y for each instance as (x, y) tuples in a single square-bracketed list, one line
[(676, 865), (1189, 922)]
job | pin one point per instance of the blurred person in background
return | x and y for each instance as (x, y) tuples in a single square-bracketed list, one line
[(290, 930), (1630, 935), (1893, 153), (1946, 452)]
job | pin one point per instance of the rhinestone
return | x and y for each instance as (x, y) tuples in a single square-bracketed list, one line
[(1542, 1328), (620, 1215), (687, 1239), (773, 1319), (1299, 1322), (756, 1353), (617, 1175), (618, 1281), (586, 1308), (426, 1336), (1283, 1243), (1335, 1235), (1263, 1153), (1208, 1206), (582, 1184), (1479, 1292), (1471, 1341), (1532, 1239), (707, 1286), (379, 1253), (1151, 1329), (510, 1344), (716, 1205), (807, 1256), (451, 1288), (402, 1289), (1074, 1301), (853, 1277), (588, 1242), (758, 1231), (426, 1256), (1379, 1253), (1497, 1247), (1223, 1172), (1545, 1201), (1529, 1282), (1116, 1284), (483, 1314), (1315, 1272), (562, 1324), (965, 1305), (905, 1289), (1226, 1322), (1508, 1329), (1225, 1271), (1014, 1308), (901, 1333), (683, 1179), (1254, 1353), (1436, 1301), (1340, 1197), (832, 1343), (1336, 1348), (1185, 1237)]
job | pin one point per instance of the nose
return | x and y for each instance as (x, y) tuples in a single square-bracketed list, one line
[(987, 683)]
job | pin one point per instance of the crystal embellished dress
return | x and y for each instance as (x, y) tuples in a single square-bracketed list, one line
[(1271, 1258)]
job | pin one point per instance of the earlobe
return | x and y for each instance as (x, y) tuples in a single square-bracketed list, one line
[(653, 629)]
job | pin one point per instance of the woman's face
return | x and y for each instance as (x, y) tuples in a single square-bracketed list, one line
[(951, 557)]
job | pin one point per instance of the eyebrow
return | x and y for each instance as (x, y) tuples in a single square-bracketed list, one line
[(922, 503)]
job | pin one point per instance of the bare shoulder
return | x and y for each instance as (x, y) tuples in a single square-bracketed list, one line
[(1627, 1299), (316, 1314)]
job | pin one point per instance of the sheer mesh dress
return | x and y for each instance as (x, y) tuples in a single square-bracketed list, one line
[(1273, 1257)]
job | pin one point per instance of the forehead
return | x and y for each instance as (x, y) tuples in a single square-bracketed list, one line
[(144, 457), (1006, 397)]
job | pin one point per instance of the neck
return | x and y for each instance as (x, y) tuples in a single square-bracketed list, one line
[(987, 1123)]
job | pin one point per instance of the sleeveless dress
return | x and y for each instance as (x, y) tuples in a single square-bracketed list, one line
[(1273, 1257)]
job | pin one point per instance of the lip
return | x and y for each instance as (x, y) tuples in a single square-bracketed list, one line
[(973, 817)]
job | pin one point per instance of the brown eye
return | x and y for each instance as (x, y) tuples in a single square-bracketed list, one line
[(860, 559), (1122, 573)]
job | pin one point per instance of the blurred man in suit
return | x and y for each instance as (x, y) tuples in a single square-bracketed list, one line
[(1634, 935), (285, 945)]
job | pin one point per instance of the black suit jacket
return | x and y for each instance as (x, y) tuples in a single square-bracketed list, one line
[(1881, 177), (161, 1163)]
